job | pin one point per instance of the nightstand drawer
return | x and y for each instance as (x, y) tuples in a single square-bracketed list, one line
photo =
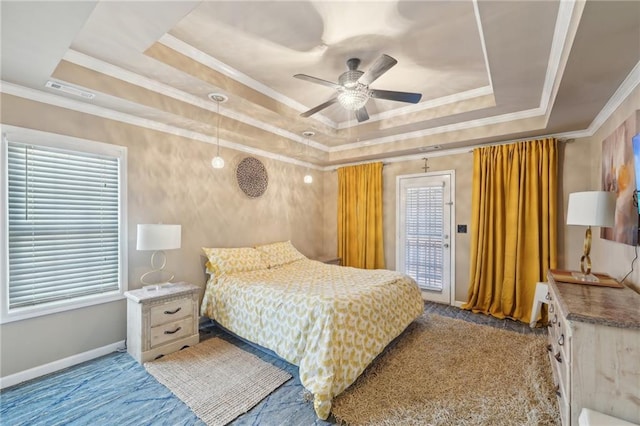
[(171, 311), (171, 331)]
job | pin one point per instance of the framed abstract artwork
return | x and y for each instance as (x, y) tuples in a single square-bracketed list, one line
[(618, 175)]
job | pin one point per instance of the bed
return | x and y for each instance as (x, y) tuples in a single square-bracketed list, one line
[(330, 321)]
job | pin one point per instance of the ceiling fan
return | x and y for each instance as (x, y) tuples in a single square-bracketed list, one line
[(353, 90)]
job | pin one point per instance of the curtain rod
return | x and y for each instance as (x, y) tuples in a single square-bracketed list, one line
[(442, 152)]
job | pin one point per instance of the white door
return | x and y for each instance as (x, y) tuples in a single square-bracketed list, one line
[(424, 243)]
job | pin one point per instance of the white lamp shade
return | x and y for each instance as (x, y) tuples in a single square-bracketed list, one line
[(158, 237), (592, 208)]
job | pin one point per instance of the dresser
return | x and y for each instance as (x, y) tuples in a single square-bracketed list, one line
[(594, 349), (161, 320)]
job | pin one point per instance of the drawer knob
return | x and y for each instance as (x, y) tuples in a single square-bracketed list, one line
[(547, 296), (174, 331), (561, 340), (558, 394), (552, 309), (175, 311), (556, 356), (555, 319)]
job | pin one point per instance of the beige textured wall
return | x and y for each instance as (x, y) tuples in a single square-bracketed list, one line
[(170, 180), (607, 256)]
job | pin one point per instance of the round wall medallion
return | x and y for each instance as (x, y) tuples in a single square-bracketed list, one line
[(252, 177)]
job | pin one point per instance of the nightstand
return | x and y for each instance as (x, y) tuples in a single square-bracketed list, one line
[(162, 320)]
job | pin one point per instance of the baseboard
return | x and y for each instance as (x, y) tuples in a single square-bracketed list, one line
[(458, 303), (41, 370)]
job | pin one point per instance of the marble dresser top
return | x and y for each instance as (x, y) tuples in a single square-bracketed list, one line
[(163, 290), (615, 307)]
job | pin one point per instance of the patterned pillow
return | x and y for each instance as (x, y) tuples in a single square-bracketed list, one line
[(280, 253), (230, 260)]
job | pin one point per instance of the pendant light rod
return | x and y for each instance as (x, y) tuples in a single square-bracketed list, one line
[(308, 134), (217, 162)]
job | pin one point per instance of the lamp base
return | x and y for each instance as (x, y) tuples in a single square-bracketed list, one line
[(156, 257), (589, 278)]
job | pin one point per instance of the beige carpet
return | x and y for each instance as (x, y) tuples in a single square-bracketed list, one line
[(444, 371), (216, 379)]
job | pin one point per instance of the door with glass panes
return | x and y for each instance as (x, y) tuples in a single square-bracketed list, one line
[(424, 230)]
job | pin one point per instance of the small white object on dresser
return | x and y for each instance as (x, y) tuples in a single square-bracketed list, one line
[(161, 319)]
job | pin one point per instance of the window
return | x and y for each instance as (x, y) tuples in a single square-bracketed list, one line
[(424, 226), (65, 225)]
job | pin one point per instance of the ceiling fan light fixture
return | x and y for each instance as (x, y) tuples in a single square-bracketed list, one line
[(354, 98), (352, 89)]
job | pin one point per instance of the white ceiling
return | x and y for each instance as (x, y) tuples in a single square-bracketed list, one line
[(487, 70)]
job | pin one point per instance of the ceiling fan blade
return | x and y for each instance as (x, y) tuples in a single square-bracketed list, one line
[(362, 114), (391, 95), (319, 107), (318, 81), (379, 67)]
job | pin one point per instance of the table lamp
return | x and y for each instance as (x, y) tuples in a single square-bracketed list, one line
[(158, 238), (591, 208)]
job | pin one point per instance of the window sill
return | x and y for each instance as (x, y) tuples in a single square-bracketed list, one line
[(21, 314)]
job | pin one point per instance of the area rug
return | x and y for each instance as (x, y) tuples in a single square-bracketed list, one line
[(443, 371), (216, 379)]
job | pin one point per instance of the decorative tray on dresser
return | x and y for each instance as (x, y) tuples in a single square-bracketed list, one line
[(594, 349)]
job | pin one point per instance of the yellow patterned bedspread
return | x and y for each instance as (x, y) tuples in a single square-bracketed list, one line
[(329, 320)]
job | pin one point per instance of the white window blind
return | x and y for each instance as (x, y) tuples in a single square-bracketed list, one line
[(424, 236), (63, 217)]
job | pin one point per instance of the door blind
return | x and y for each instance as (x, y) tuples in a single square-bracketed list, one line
[(424, 236), (63, 224)]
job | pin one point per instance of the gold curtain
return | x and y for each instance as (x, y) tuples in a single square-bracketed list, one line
[(360, 216), (513, 226)]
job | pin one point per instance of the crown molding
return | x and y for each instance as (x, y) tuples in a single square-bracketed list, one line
[(98, 111), (619, 96), (119, 73), (483, 44), (114, 71), (433, 103), (211, 62), (486, 121), (631, 82), (560, 34)]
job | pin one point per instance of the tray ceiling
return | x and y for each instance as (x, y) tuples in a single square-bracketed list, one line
[(487, 70)]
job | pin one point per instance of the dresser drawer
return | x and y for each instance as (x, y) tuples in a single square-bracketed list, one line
[(560, 390), (174, 330), (559, 347), (171, 311)]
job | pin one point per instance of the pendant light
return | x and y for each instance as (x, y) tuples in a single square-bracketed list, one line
[(217, 162), (308, 179)]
